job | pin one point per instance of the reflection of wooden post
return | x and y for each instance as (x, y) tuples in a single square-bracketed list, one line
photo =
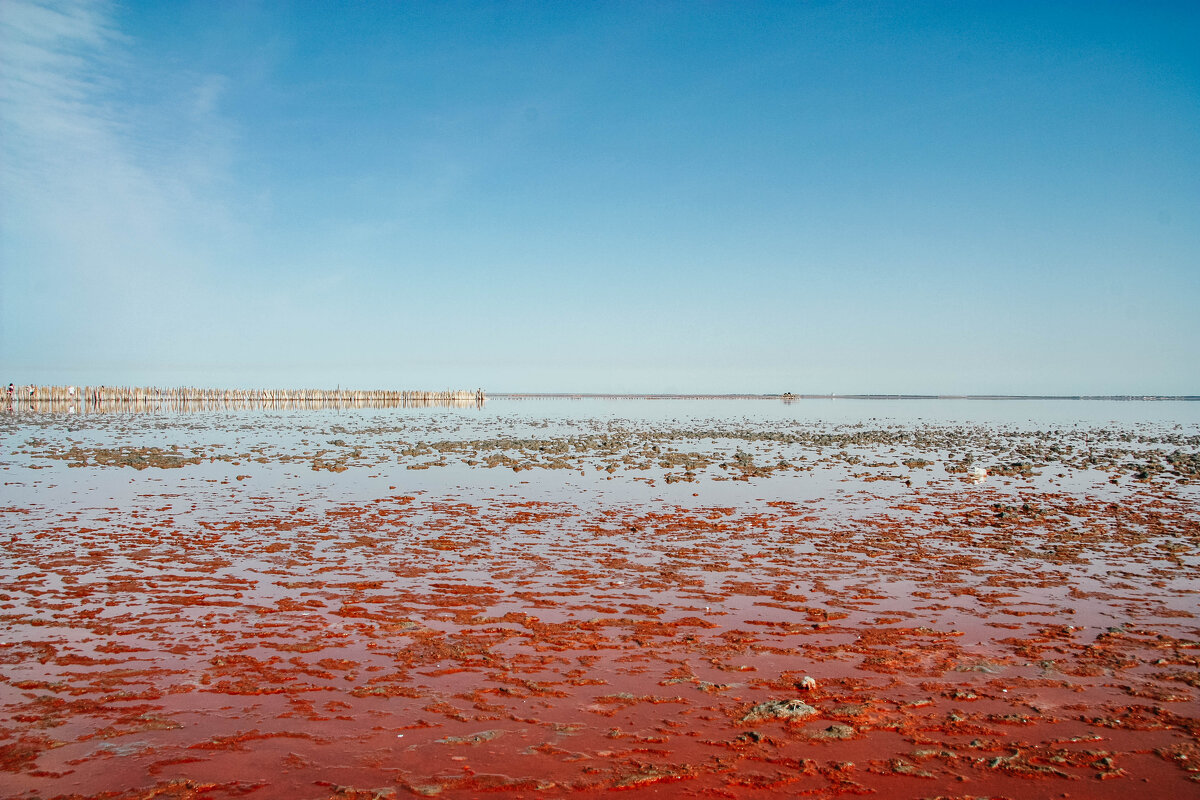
[(184, 398)]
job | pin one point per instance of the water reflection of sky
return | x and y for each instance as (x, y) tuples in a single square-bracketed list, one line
[(521, 410), (956, 411)]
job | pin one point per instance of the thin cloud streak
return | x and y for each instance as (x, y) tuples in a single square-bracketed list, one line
[(102, 206), (128, 211), (56, 64)]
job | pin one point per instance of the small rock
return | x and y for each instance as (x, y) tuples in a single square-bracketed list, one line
[(836, 731), (778, 709)]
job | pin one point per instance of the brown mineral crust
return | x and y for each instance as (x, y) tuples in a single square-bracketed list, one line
[(137, 457)]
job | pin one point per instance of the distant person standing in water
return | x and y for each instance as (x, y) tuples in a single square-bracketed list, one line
[(11, 391)]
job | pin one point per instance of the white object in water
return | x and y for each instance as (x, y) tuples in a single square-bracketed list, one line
[(977, 475), (808, 683)]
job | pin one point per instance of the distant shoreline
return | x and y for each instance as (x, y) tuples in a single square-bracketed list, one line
[(787, 396)]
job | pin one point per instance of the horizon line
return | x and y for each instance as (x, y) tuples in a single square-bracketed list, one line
[(54, 390), (829, 396)]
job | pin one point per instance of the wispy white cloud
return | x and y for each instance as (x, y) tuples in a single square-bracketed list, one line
[(125, 242), (109, 214), (58, 63)]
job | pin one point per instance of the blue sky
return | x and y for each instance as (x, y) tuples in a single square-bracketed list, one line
[(683, 197)]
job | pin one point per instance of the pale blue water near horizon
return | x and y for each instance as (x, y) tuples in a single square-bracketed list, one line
[(518, 427), (851, 410), (765, 409)]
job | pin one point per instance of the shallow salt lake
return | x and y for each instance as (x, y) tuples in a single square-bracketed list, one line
[(556, 597), (1035, 412)]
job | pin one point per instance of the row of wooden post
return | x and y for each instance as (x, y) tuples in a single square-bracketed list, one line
[(71, 399)]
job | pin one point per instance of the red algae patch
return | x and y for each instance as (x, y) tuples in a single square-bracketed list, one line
[(943, 645), (217, 634)]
